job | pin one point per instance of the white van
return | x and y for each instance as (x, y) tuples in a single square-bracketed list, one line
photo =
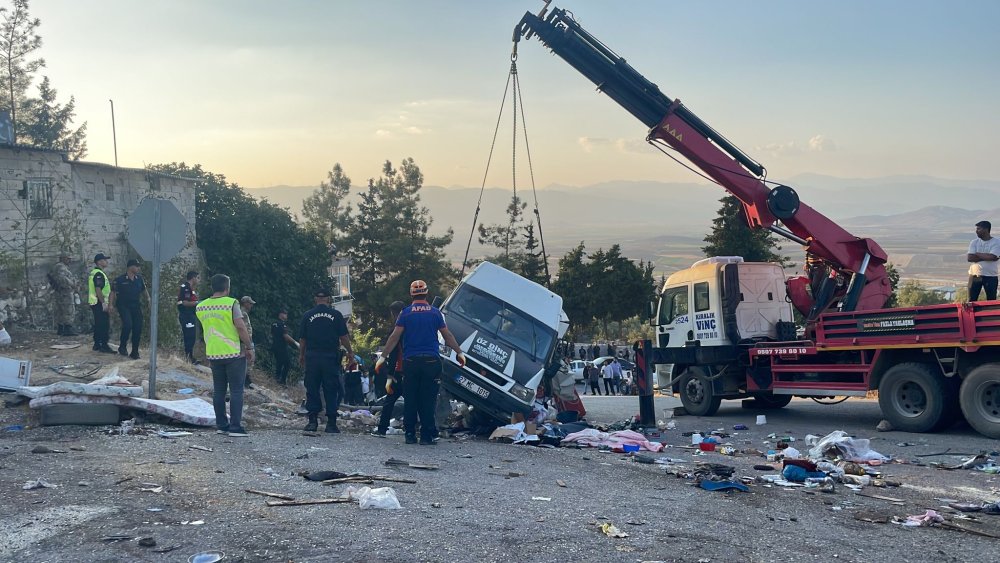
[(508, 328)]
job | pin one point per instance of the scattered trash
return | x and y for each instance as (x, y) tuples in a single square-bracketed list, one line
[(740, 427), (154, 509), (696, 439), (127, 427), (173, 434), (185, 391), (546, 499), (763, 467), (305, 502), (925, 519), (46, 450), (884, 426), (970, 463), (367, 497), (723, 486), (965, 506), (78, 448), (398, 462), (13, 428), (561, 483), (839, 443), (207, 557), (193, 523), (873, 517), (611, 530), (267, 494), (270, 472), (761, 420), (38, 484), (630, 448), (151, 488), (84, 484), (147, 542), (116, 538)]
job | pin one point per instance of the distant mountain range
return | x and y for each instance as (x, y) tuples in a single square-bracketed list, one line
[(665, 222)]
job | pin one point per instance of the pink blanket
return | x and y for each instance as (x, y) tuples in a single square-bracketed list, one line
[(615, 440)]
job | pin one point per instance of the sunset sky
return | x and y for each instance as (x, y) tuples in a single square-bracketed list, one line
[(273, 93)]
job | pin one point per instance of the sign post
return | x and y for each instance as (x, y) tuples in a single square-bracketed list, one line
[(157, 231)]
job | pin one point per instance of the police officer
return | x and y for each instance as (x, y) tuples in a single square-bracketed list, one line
[(126, 292), (64, 286), (98, 290), (280, 339), (418, 326), (187, 300), (322, 332)]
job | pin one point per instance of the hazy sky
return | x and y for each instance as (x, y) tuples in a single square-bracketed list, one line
[(270, 92)]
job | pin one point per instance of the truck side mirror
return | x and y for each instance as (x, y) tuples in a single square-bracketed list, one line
[(437, 301), (652, 313)]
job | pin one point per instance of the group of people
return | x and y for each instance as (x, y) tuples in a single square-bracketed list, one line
[(592, 352), (610, 372), (104, 296)]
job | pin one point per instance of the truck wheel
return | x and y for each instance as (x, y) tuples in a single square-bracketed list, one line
[(697, 395), (980, 399), (914, 398), (771, 401)]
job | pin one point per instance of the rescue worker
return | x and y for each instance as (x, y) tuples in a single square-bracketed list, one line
[(322, 332), (228, 348), (418, 326), (64, 287), (126, 294), (393, 371), (98, 290), (280, 340), (246, 305), (187, 300)]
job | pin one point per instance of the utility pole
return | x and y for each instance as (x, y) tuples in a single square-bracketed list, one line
[(114, 134)]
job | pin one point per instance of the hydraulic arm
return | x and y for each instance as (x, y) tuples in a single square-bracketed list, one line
[(843, 270)]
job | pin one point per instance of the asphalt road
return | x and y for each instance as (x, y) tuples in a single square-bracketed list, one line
[(487, 501)]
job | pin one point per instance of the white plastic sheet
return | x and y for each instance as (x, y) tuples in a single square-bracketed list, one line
[(840, 443)]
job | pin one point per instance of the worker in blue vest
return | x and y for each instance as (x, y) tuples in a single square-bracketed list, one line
[(418, 326)]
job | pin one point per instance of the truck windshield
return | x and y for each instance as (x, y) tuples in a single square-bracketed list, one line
[(498, 318)]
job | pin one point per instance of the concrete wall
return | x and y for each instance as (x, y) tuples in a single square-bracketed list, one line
[(90, 205)]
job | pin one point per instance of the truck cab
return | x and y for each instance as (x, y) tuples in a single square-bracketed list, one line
[(707, 311), (508, 328)]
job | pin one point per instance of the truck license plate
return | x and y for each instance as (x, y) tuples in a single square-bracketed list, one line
[(471, 386)]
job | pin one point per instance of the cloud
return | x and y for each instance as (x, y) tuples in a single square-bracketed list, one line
[(817, 143)]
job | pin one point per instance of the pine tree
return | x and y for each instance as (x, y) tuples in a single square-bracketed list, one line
[(18, 42), (48, 124), (731, 236), (326, 211)]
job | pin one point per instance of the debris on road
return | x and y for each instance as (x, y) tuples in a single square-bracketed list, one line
[(401, 463), (611, 530), (38, 484), (926, 519), (46, 450), (267, 494), (367, 497), (304, 502)]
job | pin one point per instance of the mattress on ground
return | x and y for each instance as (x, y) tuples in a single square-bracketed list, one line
[(75, 388), (196, 411)]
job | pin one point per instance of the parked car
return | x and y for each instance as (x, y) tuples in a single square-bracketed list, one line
[(627, 367), (576, 368)]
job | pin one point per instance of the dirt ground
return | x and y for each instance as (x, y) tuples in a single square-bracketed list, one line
[(141, 497)]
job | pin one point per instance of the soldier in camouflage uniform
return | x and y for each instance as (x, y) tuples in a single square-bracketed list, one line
[(64, 285)]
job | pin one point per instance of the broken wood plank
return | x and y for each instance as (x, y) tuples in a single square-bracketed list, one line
[(961, 528), (880, 497), (367, 479), (267, 494), (202, 448), (306, 501)]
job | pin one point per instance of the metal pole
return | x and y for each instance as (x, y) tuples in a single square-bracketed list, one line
[(646, 372), (114, 134), (154, 301)]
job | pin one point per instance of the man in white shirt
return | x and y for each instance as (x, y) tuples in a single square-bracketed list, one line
[(607, 375), (4, 336), (984, 251)]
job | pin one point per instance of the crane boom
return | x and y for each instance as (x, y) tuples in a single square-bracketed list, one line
[(843, 270)]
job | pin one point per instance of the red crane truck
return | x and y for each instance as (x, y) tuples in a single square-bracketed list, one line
[(724, 327)]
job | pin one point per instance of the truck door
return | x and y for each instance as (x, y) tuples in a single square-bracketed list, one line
[(673, 327)]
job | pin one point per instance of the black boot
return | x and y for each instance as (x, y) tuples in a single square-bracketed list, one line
[(331, 426), (313, 424)]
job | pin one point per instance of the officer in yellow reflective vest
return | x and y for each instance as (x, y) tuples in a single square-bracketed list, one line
[(98, 289), (228, 348)]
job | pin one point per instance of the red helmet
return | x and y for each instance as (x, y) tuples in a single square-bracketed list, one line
[(418, 287)]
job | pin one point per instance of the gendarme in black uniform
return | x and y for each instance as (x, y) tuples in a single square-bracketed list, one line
[(186, 315), (279, 347), (319, 333)]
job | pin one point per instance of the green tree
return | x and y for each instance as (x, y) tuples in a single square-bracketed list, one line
[(573, 283), (18, 42), (912, 294), (731, 236), (390, 243), (326, 211), (893, 274), (517, 242), (48, 124), (257, 244)]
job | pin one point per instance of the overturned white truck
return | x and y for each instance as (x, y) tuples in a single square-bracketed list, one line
[(508, 328)]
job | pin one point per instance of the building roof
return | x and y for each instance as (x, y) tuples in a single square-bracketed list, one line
[(66, 158)]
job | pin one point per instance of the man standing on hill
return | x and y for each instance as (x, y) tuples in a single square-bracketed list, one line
[(126, 291), (98, 290), (64, 286), (187, 300), (984, 251)]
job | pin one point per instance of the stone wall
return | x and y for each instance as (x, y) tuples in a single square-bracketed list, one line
[(82, 207)]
